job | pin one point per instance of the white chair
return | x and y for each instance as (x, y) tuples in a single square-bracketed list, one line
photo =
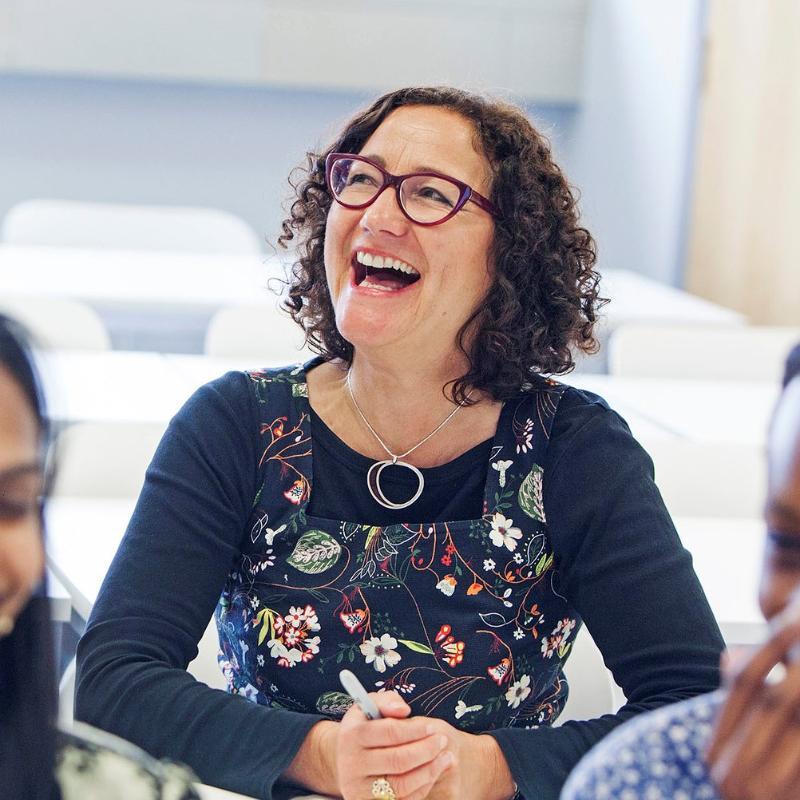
[(205, 667), (709, 479), (263, 332), (592, 690), (66, 223), (742, 353), (58, 322), (104, 459)]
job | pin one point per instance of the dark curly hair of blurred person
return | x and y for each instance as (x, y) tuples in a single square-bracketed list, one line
[(543, 302)]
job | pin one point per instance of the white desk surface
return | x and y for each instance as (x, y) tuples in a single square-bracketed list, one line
[(727, 557), (138, 277), (213, 793), (637, 298), (111, 385), (180, 280), (83, 536), (735, 412)]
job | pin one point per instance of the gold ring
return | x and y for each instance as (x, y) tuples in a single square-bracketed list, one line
[(382, 789)]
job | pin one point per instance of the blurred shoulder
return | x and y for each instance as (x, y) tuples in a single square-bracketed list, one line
[(658, 753)]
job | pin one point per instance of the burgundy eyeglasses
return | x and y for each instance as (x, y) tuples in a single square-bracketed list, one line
[(426, 198)]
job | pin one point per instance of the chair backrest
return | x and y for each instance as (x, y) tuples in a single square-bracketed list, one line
[(592, 690), (58, 322), (263, 332), (104, 459), (700, 352), (709, 479), (66, 223), (205, 666)]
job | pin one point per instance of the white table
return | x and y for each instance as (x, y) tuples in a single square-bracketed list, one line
[(138, 278), (84, 535), (637, 298), (703, 411), (110, 386), (727, 556)]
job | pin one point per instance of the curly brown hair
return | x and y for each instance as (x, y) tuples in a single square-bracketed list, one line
[(544, 298)]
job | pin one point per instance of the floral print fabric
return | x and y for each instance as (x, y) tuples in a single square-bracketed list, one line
[(657, 756), (463, 618)]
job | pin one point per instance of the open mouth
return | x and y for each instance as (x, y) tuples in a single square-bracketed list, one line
[(382, 272)]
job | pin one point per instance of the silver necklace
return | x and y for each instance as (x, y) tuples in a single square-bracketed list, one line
[(374, 472)]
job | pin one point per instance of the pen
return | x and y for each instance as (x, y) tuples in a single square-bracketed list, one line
[(353, 687)]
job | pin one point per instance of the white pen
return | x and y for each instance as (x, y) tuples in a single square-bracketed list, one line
[(354, 688)]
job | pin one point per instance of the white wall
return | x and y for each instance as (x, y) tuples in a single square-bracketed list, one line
[(633, 141)]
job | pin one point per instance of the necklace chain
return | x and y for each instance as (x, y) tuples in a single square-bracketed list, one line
[(380, 441)]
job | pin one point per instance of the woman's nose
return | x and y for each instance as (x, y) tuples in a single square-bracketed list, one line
[(385, 215)]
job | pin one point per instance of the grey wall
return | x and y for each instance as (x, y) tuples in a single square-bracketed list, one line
[(185, 144)]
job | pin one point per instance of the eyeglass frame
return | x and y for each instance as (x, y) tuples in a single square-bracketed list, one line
[(467, 193)]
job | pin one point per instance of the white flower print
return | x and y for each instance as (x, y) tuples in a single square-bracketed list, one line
[(518, 559), (519, 633), (260, 659), (292, 644), (447, 585), (249, 691), (381, 652), (525, 436), (502, 533), (518, 691), (559, 636), (462, 708), (501, 466), (254, 603), (488, 564)]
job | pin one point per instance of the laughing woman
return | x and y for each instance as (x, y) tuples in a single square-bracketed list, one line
[(417, 503)]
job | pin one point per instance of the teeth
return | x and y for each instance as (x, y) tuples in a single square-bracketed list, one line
[(384, 262)]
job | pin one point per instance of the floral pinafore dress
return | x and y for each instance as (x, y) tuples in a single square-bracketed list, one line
[(463, 618)]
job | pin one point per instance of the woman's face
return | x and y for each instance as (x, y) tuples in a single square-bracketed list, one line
[(780, 577), (451, 259), (21, 550)]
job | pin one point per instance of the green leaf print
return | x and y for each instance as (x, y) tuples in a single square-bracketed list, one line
[(300, 390), (315, 552), (530, 494), (417, 647), (371, 535), (544, 563), (334, 704)]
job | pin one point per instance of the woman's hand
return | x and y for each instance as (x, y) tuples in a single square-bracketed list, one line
[(420, 756), (754, 752), (410, 752)]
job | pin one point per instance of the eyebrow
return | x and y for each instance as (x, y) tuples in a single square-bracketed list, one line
[(20, 470), (420, 168)]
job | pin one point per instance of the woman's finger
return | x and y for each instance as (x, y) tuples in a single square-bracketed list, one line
[(421, 780), (391, 732), (747, 681), (769, 722), (398, 760)]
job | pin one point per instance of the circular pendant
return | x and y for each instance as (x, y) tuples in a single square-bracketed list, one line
[(374, 484)]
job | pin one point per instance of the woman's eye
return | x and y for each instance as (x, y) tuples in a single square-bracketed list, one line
[(434, 195), (360, 178), (12, 509)]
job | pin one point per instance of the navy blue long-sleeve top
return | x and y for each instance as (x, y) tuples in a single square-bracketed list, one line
[(618, 557)]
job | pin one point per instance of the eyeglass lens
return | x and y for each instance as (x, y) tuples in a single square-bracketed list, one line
[(424, 198)]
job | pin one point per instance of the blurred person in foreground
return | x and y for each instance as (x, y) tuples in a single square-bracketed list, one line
[(742, 742), (419, 503), (38, 762)]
